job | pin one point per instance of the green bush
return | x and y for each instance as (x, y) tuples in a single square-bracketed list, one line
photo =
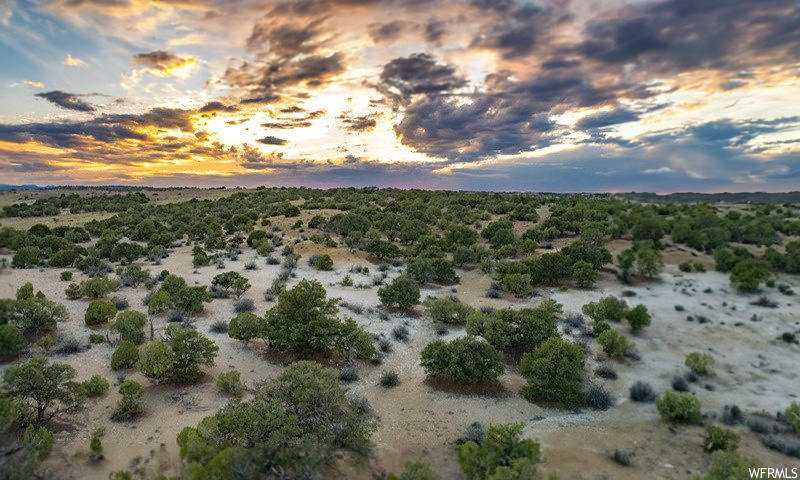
[(231, 282), (465, 359), (699, 267), (294, 424), (503, 454), (353, 342), (303, 320), (518, 284), (685, 267), (26, 257), (46, 342), (38, 442), (609, 309), (615, 344), (230, 382), (526, 328), (130, 326), (125, 356), (12, 341), (245, 327), (14, 414), (700, 363), (99, 312), (73, 291), (178, 357), (415, 471), (553, 371), (678, 407), (98, 287), (638, 317), (793, 416), (584, 274), (66, 276), (131, 404), (96, 338), (402, 293), (728, 465), (748, 274), (321, 262), (447, 310), (599, 327), (96, 386), (718, 438)]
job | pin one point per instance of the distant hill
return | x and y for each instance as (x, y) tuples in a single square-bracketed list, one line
[(689, 197), (4, 186)]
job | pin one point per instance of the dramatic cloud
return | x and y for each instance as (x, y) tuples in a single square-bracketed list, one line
[(419, 73), (656, 94), (70, 101), (362, 123), (164, 64), (270, 140)]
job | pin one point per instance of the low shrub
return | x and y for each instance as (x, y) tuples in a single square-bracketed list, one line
[(400, 333), (718, 438), (121, 303), (219, 326), (99, 312), (322, 262), (96, 386), (96, 338), (244, 305), (642, 392), (679, 384), (785, 445), (67, 345), (466, 359), (348, 374), (678, 407), (125, 356), (606, 371), (597, 397), (231, 383), (389, 379), (792, 414), (615, 344), (700, 363), (623, 457)]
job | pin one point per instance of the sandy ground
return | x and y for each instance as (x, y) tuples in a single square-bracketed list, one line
[(419, 419)]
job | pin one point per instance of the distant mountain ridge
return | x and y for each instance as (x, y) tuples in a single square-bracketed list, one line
[(4, 186)]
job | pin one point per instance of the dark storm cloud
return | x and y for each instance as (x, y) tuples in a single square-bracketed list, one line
[(267, 82), (270, 140), (361, 123), (520, 28), (606, 119), (388, 32), (677, 35), (419, 74), (285, 40), (217, 106), (106, 129), (70, 101), (434, 31), (488, 125)]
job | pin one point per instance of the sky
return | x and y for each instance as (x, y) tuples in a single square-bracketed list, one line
[(519, 95)]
